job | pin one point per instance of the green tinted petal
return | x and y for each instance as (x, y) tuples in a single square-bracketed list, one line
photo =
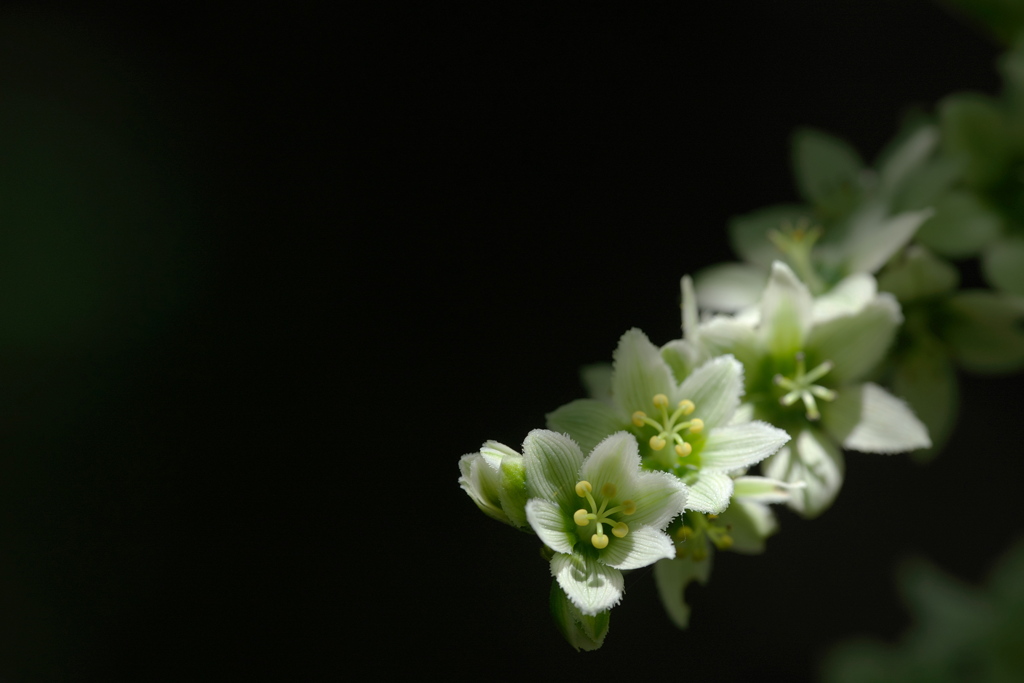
[(786, 313), (813, 459), (482, 483), (827, 169), (592, 587), (869, 419), (715, 389), (642, 546), (586, 421), (1003, 265), (749, 233), (872, 244), (682, 356), (552, 465), (640, 373), (672, 578), (551, 525), (582, 631), (730, 286), (856, 344), (743, 445), (905, 158), (961, 226), (512, 493), (710, 493), (760, 489), (597, 380), (984, 331), (927, 185)]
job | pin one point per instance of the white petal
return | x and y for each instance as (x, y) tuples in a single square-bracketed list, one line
[(786, 313), (660, 497), (640, 373), (762, 489), (550, 524), (642, 546), (857, 343), (730, 286), (591, 586), (672, 578), (552, 465), (869, 419), (715, 389), (741, 445), (847, 298), (616, 461), (750, 523), (874, 242), (814, 460), (710, 493)]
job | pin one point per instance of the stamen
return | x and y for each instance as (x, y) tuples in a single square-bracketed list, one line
[(620, 530), (600, 540), (683, 449), (696, 425), (639, 418), (687, 406), (670, 427), (660, 401), (657, 443), (802, 387), (628, 507), (583, 488), (581, 517), (608, 490)]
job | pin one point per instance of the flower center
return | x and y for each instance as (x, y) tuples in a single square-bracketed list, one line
[(796, 242), (802, 387), (699, 530), (670, 426), (601, 514)]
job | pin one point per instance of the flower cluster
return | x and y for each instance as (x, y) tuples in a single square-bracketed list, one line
[(839, 332)]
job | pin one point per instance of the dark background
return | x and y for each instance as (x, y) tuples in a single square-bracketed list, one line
[(267, 274)]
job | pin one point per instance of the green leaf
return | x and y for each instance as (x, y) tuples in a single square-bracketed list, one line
[(962, 226), (985, 331), (918, 274), (974, 131), (1003, 265), (827, 169)]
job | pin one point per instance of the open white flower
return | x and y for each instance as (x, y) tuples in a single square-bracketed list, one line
[(600, 515), (686, 423)]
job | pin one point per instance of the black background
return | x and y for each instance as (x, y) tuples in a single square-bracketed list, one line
[(383, 237)]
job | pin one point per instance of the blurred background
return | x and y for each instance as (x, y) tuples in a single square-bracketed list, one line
[(266, 275)]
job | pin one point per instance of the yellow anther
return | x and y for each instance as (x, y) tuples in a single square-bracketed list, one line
[(724, 543), (583, 488), (683, 449), (696, 425), (580, 517), (684, 533), (638, 418), (608, 490), (599, 540), (628, 507), (660, 401), (620, 530), (687, 406), (657, 443)]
